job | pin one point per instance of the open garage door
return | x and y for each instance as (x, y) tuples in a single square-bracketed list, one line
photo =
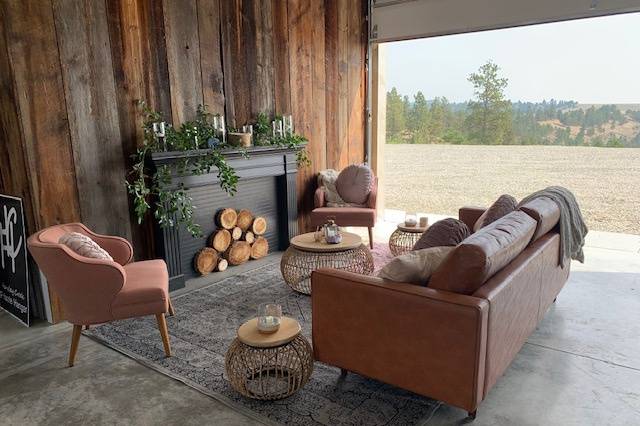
[(394, 20)]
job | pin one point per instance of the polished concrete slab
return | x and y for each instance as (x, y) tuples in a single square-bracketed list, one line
[(580, 367)]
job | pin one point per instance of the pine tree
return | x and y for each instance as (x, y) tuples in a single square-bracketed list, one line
[(490, 114)]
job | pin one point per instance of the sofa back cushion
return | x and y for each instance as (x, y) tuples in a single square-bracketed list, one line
[(545, 212), (484, 253), (354, 183)]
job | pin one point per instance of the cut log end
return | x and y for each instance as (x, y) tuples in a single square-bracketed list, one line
[(245, 219), (220, 240), (259, 248), (227, 218), (249, 237), (236, 233), (222, 265), (259, 226), (205, 260), (238, 253)]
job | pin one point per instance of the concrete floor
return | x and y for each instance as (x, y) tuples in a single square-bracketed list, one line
[(581, 367)]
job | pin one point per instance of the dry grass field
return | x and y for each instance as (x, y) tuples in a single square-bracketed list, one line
[(440, 178)]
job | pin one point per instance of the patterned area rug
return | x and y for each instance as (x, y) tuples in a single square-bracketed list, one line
[(205, 324)]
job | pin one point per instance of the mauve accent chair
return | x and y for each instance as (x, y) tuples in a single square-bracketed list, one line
[(347, 216), (95, 291)]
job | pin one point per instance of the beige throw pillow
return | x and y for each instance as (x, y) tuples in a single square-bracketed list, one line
[(84, 246), (416, 266)]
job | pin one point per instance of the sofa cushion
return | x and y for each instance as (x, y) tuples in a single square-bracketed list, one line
[(145, 292), (484, 253), (446, 232), (84, 246), (545, 212), (504, 205), (416, 266), (354, 183)]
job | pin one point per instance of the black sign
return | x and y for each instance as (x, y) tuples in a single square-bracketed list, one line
[(14, 279)]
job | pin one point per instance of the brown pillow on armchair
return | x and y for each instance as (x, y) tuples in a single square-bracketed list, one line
[(446, 232), (504, 205)]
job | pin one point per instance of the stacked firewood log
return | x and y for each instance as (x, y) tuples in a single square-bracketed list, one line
[(239, 237)]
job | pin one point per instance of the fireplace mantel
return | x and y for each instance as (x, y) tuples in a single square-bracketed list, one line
[(267, 186)]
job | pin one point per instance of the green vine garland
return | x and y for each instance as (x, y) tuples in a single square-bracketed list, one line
[(174, 206)]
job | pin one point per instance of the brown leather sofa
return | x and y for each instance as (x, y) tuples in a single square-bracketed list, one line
[(453, 339)]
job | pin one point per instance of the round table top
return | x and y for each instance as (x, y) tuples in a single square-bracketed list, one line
[(416, 229), (307, 242), (249, 335)]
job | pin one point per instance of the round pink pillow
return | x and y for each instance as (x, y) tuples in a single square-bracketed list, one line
[(354, 183)]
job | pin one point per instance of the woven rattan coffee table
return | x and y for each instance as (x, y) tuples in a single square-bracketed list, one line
[(305, 255), (269, 366), (404, 238)]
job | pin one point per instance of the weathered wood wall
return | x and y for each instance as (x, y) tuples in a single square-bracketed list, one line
[(71, 72)]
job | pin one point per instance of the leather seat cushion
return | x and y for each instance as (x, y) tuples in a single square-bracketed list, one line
[(504, 205), (344, 216), (545, 212), (446, 232), (354, 183), (484, 253), (145, 292)]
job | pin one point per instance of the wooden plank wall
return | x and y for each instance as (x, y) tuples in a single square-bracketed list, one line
[(71, 73)]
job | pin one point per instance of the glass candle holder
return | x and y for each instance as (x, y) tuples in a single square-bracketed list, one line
[(269, 317), (410, 220)]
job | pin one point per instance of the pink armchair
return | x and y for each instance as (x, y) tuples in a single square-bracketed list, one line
[(347, 216), (95, 291)]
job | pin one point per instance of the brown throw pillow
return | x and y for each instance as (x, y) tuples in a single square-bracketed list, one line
[(446, 232), (415, 267), (504, 205)]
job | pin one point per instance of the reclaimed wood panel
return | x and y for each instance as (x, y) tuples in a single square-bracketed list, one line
[(356, 81), (83, 40), (211, 55), (14, 174), (183, 58), (241, 57), (282, 84), (236, 78), (33, 53)]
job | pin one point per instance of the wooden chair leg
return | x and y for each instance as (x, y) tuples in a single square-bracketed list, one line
[(371, 237), (162, 326), (75, 338), (86, 327), (472, 414), (172, 312)]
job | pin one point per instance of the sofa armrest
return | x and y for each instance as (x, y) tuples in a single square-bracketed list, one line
[(373, 195), (318, 198), (469, 215), (427, 341)]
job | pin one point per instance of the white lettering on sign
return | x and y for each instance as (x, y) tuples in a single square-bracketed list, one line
[(7, 247)]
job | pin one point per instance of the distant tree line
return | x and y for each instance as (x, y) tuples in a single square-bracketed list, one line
[(490, 119)]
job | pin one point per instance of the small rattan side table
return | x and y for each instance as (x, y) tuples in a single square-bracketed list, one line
[(305, 255), (404, 238), (269, 366)]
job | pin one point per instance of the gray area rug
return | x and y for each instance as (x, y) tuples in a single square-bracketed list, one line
[(205, 324)]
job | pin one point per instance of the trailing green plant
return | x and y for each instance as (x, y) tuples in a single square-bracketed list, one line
[(152, 191)]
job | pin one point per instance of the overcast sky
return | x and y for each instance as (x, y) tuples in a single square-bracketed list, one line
[(593, 60)]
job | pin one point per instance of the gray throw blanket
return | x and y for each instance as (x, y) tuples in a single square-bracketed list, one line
[(572, 227)]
